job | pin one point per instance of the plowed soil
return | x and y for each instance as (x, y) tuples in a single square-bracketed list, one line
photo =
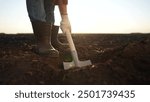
[(117, 59)]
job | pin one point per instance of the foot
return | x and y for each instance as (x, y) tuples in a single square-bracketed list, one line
[(47, 51), (61, 46)]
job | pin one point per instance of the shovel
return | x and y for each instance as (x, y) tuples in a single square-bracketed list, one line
[(76, 62)]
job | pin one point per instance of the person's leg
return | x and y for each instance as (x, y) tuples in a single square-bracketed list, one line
[(41, 28), (42, 32), (49, 11), (36, 10), (50, 17)]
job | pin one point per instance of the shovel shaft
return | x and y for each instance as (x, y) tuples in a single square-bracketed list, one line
[(71, 44), (73, 49), (75, 58)]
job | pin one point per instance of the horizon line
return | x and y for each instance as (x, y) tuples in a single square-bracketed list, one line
[(84, 33)]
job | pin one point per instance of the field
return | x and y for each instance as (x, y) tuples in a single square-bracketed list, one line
[(117, 59)]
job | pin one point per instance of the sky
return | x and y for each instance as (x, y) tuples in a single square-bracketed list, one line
[(86, 16)]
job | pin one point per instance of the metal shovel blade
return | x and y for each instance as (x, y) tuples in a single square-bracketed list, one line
[(70, 65)]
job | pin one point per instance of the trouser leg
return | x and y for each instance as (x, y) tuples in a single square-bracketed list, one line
[(49, 11), (41, 10)]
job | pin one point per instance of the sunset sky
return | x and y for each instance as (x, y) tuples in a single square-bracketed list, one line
[(86, 16)]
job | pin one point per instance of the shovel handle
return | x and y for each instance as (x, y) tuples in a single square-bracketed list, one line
[(70, 40), (73, 49)]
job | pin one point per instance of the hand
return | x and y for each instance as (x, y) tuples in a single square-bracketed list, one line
[(65, 24)]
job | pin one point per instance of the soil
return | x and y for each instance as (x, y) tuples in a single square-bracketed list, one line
[(117, 59)]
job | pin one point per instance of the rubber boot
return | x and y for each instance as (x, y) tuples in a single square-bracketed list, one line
[(42, 32), (55, 41), (62, 47)]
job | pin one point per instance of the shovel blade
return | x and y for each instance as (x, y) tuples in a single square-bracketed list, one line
[(70, 65), (85, 63)]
